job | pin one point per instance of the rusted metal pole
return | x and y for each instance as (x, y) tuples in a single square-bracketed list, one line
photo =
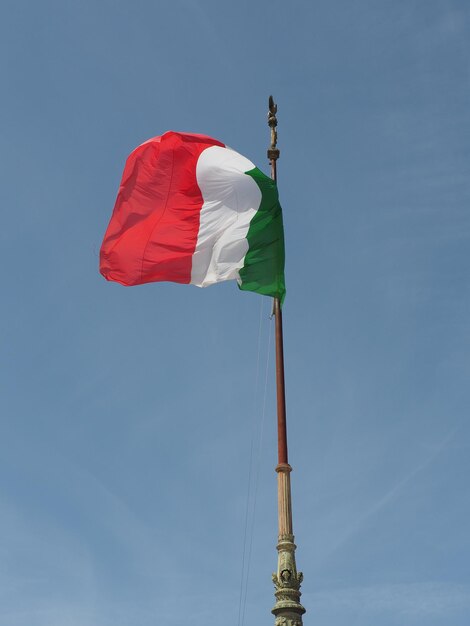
[(287, 610), (273, 155), (280, 387)]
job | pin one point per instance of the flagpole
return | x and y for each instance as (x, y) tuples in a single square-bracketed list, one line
[(287, 610)]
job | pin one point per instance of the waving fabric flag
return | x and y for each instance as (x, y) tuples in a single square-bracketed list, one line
[(191, 210)]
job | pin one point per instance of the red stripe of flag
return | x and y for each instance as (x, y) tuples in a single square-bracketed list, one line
[(153, 231)]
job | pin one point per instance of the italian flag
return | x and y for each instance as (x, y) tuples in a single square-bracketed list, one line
[(192, 210)]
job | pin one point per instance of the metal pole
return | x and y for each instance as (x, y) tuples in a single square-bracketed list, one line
[(280, 387), (273, 155), (287, 580)]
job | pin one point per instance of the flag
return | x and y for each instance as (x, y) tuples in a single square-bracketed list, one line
[(191, 210)]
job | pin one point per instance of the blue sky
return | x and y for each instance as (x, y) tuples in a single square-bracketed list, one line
[(128, 415)]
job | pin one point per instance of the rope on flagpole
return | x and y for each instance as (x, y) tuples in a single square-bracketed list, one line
[(250, 468), (256, 476)]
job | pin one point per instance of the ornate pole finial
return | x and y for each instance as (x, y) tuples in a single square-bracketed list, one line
[(273, 151)]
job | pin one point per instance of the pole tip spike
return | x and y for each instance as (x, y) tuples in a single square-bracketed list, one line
[(273, 151), (272, 105)]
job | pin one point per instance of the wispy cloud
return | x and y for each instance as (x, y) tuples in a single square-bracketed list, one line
[(392, 493), (420, 599)]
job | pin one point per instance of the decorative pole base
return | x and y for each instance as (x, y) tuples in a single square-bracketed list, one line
[(287, 580)]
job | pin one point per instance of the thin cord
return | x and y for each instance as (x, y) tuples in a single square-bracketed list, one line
[(263, 414), (250, 470)]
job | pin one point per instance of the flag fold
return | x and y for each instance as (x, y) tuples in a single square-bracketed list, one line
[(191, 210)]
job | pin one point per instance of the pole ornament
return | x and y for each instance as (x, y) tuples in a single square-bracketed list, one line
[(273, 150)]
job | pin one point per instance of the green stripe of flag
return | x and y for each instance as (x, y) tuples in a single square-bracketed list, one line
[(263, 271)]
